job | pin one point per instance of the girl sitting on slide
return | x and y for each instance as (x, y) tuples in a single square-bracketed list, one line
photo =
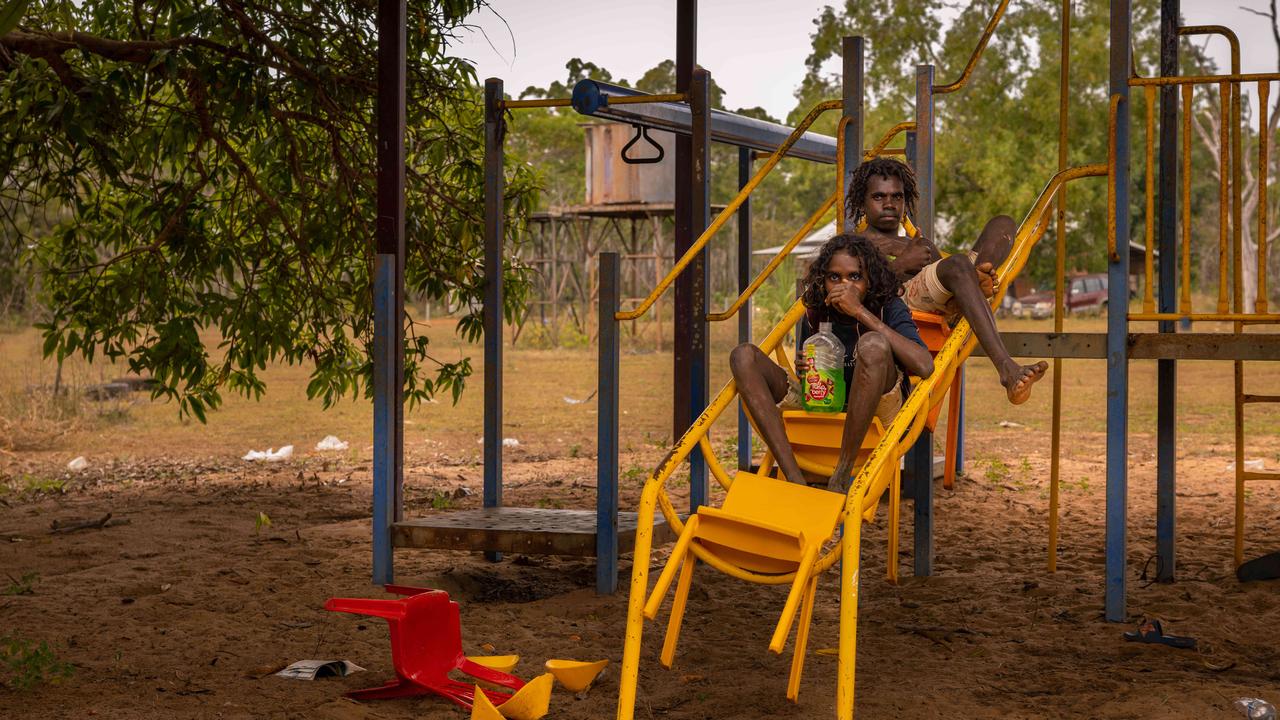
[(850, 285)]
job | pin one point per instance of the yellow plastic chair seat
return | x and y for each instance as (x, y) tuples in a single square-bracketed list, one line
[(765, 526)]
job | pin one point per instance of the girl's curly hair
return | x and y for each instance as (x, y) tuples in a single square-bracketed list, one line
[(882, 283), (885, 168)]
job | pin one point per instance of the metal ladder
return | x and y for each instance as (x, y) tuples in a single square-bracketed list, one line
[(1243, 475)]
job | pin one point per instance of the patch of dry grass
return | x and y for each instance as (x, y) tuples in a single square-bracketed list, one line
[(546, 425)]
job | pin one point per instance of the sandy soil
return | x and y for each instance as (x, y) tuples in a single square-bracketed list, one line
[(184, 611)]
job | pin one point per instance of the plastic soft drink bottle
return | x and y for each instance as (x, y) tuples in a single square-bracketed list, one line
[(823, 371)]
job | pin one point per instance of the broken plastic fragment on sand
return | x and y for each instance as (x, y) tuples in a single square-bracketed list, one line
[(506, 442), (1250, 465), (574, 401), (575, 675), (331, 442), (312, 669), (270, 455), (1010, 424), (78, 464)]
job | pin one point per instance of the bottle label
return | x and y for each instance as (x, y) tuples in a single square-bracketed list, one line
[(824, 390)]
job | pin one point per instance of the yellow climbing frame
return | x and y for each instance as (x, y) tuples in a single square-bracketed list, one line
[(864, 493)]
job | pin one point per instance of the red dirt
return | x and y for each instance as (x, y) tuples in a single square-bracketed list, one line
[(185, 610)]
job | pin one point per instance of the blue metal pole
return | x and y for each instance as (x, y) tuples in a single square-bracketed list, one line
[(607, 429), (384, 418), (1167, 370), (744, 279), (494, 129), (1117, 326), (388, 300)]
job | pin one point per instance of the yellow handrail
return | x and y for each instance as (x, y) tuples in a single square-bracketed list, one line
[(639, 99), (776, 261), (1264, 90), (1222, 30), (1112, 252), (1202, 79), (1230, 301), (977, 53), (539, 103), (728, 211)]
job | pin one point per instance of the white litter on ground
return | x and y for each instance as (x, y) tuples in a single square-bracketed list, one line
[(1250, 465), (1010, 424), (331, 442), (78, 464), (270, 455), (312, 669), (574, 401), (506, 442)]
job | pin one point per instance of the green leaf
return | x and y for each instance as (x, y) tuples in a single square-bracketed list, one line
[(11, 13)]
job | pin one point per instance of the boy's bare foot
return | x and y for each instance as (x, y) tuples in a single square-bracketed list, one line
[(987, 279), (1018, 379)]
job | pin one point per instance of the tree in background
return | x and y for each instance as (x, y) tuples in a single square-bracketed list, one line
[(996, 137), (1207, 122), (209, 167)]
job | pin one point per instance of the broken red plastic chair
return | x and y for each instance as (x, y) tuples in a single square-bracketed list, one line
[(426, 645)]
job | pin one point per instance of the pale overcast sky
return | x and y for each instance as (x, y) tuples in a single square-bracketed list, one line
[(753, 48)]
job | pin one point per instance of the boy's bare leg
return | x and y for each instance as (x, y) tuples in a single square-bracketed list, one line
[(874, 374), (959, 276), (762, 384), (995, 241)]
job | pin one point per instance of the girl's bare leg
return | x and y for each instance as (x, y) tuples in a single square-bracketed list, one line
[(762, 385)]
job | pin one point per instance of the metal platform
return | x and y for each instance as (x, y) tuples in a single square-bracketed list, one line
[(532, 531)]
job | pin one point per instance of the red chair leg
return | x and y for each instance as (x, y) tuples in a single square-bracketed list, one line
[(490, 675), (394, 689)]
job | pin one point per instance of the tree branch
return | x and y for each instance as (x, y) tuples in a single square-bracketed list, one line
[(49, 45)]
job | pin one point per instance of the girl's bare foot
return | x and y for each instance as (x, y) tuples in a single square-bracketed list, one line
[(1018, 380)]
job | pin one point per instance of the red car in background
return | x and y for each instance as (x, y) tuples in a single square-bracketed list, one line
[(1085, 294)]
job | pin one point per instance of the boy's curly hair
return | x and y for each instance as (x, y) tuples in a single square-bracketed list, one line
[(885, 168), (882, 283)]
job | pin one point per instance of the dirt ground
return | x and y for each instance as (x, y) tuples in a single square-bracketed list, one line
[(185, 611)]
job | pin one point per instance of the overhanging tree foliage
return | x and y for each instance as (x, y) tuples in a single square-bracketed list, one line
[(209, 166), (997, 137)]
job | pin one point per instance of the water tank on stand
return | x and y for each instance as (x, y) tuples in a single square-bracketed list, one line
[(610, 180)]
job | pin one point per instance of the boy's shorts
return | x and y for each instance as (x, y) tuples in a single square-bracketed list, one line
[(886, 408), (924, 292)]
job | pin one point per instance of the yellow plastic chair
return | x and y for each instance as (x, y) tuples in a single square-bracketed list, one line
[(766, 526)]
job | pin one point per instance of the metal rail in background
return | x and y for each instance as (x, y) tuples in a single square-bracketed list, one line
[(977, 53), (1230, 302), (836, 200), (617, 100), (728, 211), (614, 102), (1059, 279)]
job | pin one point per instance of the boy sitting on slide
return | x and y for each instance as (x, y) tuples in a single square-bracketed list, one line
[(880, 192), (851, 286)]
